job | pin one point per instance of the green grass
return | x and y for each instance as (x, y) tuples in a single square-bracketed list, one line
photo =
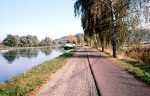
[(138, 68), (31, 80)]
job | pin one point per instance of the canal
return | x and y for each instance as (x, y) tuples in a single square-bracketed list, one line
[(14, 62)]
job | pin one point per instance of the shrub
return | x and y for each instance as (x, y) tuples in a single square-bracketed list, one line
[(142, 54)]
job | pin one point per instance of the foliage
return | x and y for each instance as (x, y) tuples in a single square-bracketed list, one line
[(32, 40), (10, 41), (29, 41), (59, 42), (26, 41), (79, 39), (111, 21), (137, 36), (17, 39), (23, 41), (31, 80), (54, 43), (46, 42), (1, 44), (72, 39), (139, 53)]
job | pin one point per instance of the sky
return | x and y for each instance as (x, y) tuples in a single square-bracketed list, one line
[(52, 18)]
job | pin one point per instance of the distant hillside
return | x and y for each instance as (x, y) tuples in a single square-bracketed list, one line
[(63, 39), (78, 35)]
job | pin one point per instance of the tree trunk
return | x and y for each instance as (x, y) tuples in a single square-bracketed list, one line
[(90, 42), (114, 34), (102, 44), (96, 42)]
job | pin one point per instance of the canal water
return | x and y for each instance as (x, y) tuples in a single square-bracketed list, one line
[(14, 62)]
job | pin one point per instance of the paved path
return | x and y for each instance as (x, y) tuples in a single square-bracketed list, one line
[(112, 80), (75, 78)]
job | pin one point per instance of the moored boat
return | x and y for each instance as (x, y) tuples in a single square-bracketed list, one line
[(68, 46)]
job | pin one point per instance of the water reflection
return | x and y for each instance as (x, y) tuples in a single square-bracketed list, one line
[(47, 50), (29, 53), (59, 49), (10, 56), (15, 62)]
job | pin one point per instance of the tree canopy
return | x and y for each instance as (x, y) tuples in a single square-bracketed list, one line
[(72, 39), (25, 41), (112, 22), (10, 41)]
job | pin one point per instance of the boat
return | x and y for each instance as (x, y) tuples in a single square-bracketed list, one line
[(68, 46)]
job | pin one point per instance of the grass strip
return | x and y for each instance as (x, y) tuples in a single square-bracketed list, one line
[(138, 68), (31, 80)]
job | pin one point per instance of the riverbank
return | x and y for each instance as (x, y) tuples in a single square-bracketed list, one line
[(136, 67), (33, 79)]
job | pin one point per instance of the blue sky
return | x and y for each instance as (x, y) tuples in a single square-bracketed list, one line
[(53, 18)]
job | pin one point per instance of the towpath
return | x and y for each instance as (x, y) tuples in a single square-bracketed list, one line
[(76, 78), (114, 81)]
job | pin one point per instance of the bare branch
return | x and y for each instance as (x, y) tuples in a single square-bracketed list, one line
[(131, 12)]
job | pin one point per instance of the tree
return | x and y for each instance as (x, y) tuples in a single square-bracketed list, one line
[(35, 41), (72, 39), (32, 40), (10, 41), (0, 44), (59, 42), (42, 43), (18, 40), (109, 19), (46, 42), (29, 40), (54, 43), (79, 39), (24, 41)]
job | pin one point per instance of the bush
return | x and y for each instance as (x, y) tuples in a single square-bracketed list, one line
[(142, 54)]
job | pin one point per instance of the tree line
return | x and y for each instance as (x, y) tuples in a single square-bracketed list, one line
[(76, 39), (113, 22), (32, 41), (26, 41)]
